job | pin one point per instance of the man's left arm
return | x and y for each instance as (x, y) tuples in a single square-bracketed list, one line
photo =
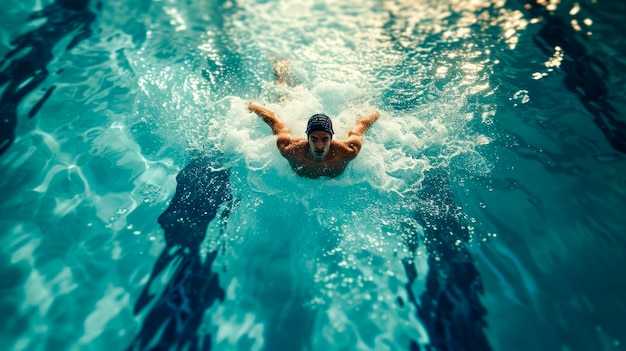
[(352, 144), (363, 124)]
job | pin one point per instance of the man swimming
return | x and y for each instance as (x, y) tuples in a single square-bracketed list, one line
[(319, 155)]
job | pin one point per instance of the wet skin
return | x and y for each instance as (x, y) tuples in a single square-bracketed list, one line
[(319, 155)]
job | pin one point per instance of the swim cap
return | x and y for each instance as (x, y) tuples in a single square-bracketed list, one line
[(319, 122)]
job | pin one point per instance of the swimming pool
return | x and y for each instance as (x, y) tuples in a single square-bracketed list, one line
[(143, 207)]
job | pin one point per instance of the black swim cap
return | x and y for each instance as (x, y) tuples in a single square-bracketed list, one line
[(319, 122)]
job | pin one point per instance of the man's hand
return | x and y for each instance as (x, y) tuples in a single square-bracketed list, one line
[(269, 117), (363, 123), (253, 107)]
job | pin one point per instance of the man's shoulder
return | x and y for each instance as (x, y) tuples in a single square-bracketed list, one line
[(349, 147), (287, 143), (292, 141)]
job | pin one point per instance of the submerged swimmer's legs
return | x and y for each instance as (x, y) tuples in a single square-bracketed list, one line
[(282, 73), (284, 79)]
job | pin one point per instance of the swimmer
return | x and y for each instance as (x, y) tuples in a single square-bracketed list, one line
[(319, 155)]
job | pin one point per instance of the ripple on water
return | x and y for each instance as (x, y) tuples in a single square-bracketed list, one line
[(86, 181)]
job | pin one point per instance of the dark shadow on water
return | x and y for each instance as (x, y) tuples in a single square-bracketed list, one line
[(175, 317), (450, 308), (24, 67), (585, 75)]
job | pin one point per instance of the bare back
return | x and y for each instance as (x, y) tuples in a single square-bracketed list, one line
[(297, 150)]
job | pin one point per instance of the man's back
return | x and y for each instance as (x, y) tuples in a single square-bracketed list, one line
[(297, 153), (318, 155)]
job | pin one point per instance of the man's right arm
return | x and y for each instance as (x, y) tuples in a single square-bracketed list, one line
[(278, 127), (269, 117)]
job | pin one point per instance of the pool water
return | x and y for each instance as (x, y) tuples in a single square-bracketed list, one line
[(142, 206)]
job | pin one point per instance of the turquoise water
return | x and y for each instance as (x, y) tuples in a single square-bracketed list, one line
[(143, 207)]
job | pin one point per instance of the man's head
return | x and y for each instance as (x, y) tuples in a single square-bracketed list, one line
[(320, 132)]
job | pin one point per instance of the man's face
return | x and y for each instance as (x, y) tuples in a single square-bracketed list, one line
[(319, 144)]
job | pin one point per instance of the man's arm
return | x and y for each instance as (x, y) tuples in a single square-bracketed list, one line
[(355, 136), (278, 127), (269, 117), (363, 124)]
